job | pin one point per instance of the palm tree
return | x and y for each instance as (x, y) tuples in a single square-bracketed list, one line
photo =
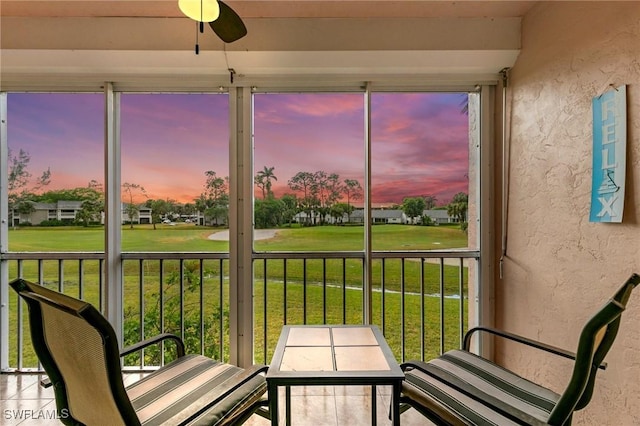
[(458, 207), (263, 180)]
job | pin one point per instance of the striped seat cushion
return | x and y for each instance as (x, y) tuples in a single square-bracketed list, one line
[(500, 396), (180, 392)]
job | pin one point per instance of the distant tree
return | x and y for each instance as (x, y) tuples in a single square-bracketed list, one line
[(333, 189), (338, 210), (327, 186), (18, 175), (214, 201), (290, 208), (72, 194), (263, 181), (304, 182), (268, 213), (159, 209), (24, 207), (427, 221), (92, 206), (18, 180), (189, 209), (458, 208), (130, 190), (90, 211), (94, 184), (322, 194), (201, 203), (353, 191), (413, 207), (430, 201)]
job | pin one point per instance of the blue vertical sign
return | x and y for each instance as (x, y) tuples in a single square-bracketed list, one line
[(609, 155)]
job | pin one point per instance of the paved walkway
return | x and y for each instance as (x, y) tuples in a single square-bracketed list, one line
[(258, 234)]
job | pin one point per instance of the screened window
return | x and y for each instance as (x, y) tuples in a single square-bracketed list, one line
[(175, 168), (420, 170), (309, 170), (55, 144)]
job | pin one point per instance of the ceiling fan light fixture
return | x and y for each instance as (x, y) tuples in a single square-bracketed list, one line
[(200, 10)]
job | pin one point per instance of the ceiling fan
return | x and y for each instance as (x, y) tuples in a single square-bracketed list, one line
[(221, 18)]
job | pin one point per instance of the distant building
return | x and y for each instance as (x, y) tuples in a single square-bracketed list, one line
[(67, 211), (381, 216), (142, 216), (315, 219), (64, 211), (440, 216)]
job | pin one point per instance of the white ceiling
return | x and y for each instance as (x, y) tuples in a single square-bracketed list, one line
[(61, 44), (274, 8)]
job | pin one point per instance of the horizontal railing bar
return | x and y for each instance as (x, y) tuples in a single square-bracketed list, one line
[(309, 255), (174, 255), (33, 255), (427, 254)]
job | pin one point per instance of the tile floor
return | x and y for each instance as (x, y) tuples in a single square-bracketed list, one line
[(24, 402)]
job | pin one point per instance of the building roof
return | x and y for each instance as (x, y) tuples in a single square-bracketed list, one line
[(379, 214), (436, 214), (60, 205)]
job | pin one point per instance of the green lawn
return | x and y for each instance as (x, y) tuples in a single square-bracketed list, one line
[(323, 291), (185, 238)]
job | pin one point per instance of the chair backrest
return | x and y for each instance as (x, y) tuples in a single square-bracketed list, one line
[(596, 339), (79, 351)]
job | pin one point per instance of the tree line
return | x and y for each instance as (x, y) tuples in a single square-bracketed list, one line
[(316, 196)]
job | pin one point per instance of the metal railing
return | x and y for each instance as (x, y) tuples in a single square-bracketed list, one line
[(420, 298), (75, 274)]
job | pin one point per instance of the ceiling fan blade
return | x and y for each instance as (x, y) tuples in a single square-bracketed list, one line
[(229, 27)]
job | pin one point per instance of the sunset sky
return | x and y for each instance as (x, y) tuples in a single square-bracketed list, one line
[(419, 140)]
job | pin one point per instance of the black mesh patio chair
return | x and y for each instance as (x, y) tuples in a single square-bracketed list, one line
[(461, 388), (79, 351)]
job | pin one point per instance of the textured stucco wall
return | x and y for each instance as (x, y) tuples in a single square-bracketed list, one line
[(560, 267)]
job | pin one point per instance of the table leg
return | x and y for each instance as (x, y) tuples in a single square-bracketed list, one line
[(395, 404), (374, 406), (287, 406), (273, 404)]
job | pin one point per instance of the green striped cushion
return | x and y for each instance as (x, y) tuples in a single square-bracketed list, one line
[(179, 393), (447, 403), (499, 390)]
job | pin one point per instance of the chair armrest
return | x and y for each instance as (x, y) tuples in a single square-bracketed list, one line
[(414, 365), (520, 339), (153, 340)]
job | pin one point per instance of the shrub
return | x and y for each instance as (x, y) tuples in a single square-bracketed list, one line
[(54, 222)]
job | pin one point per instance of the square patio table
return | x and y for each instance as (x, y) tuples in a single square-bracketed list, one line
[(318, 355)]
